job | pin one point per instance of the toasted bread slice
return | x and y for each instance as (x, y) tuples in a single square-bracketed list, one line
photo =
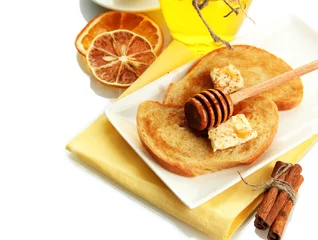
[(163, 131), (255, 65)]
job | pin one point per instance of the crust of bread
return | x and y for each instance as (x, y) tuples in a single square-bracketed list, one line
[(255, 64), (164, 133)]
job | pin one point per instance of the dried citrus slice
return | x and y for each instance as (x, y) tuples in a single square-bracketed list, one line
[(136, 22), (119, 57)]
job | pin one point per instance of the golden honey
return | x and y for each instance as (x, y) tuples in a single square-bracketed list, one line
[(186, 26)]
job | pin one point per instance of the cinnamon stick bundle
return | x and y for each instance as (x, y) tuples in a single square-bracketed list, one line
[(277, 228), (278, 201), (275, 199), (283, 196), (269, 200)]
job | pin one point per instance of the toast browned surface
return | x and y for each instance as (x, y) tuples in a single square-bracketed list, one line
[(255, 64), (163, 131)]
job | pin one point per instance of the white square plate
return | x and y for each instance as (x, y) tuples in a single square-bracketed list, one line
[(291, 40)]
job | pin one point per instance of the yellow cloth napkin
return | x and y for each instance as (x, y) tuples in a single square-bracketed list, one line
[(101, 146)]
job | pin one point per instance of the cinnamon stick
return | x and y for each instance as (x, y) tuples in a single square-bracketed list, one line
[(269, 200), (283, 196), (277, 228)]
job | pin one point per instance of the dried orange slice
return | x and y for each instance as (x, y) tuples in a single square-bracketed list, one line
[(119, 57), (136, 22)]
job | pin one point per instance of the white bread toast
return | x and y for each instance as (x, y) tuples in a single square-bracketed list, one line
[(164, 133), (255, 65)]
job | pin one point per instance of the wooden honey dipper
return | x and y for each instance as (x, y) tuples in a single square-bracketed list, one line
[(212, 107)]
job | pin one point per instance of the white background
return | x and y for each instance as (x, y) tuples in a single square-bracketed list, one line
[(47, 99)]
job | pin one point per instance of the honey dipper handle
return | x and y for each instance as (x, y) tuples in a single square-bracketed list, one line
[(273, 82)]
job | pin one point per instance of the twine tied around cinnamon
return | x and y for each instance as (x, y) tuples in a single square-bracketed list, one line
[(275, 182)]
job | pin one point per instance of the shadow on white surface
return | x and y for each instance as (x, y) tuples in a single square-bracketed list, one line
[(89, 9), (104, 90), (82, 64), (186, 229), (100, 89), (261, 234)]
